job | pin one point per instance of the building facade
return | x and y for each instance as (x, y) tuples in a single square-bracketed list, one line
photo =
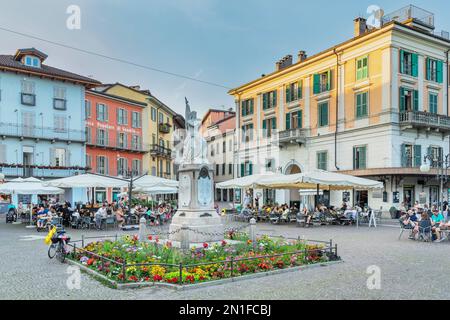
[(114, 138), (373, 106), (218, 129), (157, 129), (42, 130)]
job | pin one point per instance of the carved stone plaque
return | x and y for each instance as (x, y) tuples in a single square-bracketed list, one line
[(204, 196), (184, 193)]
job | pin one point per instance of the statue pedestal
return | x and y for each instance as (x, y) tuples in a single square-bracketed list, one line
[(196, 206)]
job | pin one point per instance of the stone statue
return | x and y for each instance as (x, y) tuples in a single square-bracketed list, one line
[(195, 148)]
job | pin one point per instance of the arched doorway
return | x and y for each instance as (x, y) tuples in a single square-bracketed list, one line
[(294, 195)]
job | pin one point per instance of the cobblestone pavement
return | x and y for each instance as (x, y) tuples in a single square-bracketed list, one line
[(409, 270)]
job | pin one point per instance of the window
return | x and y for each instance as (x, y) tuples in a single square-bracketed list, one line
[(217, 169), (136, 120), (224, 166), (122, 140), (230, 145), (102, 137), (359, 158), (88, 161), (136, 142), (362, 68), (270, 165), (60, 123), (247, 133), (361, 104), (136, 167), (28, 96), (435, 70), (269, 126), (161, 118), (323, 114), (217, 148), (269, 100), (230, 168), (322, 160), (246, 169), (409, 63), (225, 195), (102, 112), (89, 134), (218, 195), (294, 91), (122, 166), (322, 82), (168, 167), (433, 103), (294, 120), (87, 109), (160, 168), (247, 107), (437, 153), (32, 61), (224, 146), (59, 98), (102, 165), (153, 114), (59, 157), (411, 155), (409, 99), (122, 117)]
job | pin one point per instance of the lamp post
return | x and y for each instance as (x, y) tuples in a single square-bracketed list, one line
[(442, 164)]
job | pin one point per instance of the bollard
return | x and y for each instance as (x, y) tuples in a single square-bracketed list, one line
[(184, 237), (82, 240), (142, 229), (252, 231)]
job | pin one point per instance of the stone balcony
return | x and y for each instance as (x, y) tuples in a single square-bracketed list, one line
[(296, 136), (424, 120)]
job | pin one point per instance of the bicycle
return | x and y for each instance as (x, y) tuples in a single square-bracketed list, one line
[(58, 246)]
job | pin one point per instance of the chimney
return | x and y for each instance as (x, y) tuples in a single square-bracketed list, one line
[(284, 63), (302, 56), (136, 87), (278, 65), (360, 26)]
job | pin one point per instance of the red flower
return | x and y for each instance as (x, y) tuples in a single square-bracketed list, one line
[(135, 237), (133, 278), (224, 243), (205, 245), (120, 276), (157, 277), (90, 261), (150, 238)]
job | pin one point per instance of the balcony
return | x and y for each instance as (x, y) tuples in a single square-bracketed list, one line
[(296, 136), (40, 172), (425, 120), (116, 145), (159, 151), (41, 133), (164, 128)]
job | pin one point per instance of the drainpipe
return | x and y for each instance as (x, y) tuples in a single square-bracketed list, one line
[(337, 109)]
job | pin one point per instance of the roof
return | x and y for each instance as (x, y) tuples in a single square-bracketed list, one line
[(112, 96), (31, 51), (331, 51), (9, 64), (231, 112)]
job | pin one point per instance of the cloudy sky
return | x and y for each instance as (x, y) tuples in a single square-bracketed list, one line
[(226, 42)]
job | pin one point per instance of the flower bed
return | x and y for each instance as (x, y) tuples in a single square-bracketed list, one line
[(129, 261)]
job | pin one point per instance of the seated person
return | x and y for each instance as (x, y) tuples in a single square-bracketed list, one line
[(100, 215), (423, 225), (42, 217), (436, 220), (409, 219), (120, 217), (308, 216)]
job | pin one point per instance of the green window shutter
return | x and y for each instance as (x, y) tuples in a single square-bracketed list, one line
[(300, 89), (265, 100), (439, 72), (416, 100), (362, 158), (329, 79), (274, 123), (274, 99), (415, 64), (417, 155), (428, 73), (354, 158), (402, 99), (358, 105), (252, 101), (316, 85), (364, 104), (242, 169), (365, 64), (402, 61), (403, 155), (288, 121), (299, 119), (244, 111), (359, 69), (325, 114), (250, 169), (288, 93), (264, 126)]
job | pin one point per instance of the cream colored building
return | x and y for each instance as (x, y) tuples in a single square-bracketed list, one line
[(373, 106)]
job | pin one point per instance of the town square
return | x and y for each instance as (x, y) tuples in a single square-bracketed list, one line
[(193, 154)]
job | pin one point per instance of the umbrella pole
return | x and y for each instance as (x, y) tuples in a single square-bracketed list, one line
[(316, 200)]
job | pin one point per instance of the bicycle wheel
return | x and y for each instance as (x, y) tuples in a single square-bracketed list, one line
[(60, 253), (52, 251)]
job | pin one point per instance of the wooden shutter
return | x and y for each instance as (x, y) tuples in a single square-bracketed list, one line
[(274, 123), (244, 109), (299, 119), (97, 107), (300, 89), (362, 157), (439, 72), (402, 61), (106, 113), (329, 79), (416, 100), (402, 99), (52, 157), (288, 93), (354, 158), (316, 84), (264, 126), (364, 104), (417, 155), (403, 155), (265, 100), (415, 64), (428, 73), (242, 169), (251, 105), (118, 116), (274, 98), (288, 121)]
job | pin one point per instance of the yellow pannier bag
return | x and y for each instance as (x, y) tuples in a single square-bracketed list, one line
[(48, 238)]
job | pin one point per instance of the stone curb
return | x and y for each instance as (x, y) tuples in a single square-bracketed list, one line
[(122, 286)]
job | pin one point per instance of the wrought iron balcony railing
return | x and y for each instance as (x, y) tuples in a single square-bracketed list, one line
[(118, 145), (292, 136), (160, 151), (40, 172), (39, 132), (426, 120)]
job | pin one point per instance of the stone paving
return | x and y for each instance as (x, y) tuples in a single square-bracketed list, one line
[(409, 270)]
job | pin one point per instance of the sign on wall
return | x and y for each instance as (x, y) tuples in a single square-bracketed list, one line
[(396, 197)]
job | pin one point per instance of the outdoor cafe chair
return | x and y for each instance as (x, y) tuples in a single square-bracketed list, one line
[(110, 220)]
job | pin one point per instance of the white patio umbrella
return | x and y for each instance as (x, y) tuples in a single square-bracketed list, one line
[(253, 181), (31, 186), (88, 180), (148, 181)]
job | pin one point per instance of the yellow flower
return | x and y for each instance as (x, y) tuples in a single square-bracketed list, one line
[(158, 270)]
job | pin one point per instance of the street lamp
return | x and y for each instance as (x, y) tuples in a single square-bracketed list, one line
[(442, 164)]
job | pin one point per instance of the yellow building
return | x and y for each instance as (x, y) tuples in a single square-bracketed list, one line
[(158, 128), (373, 106)]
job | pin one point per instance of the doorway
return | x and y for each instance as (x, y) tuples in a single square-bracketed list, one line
[(434, 196), (408, 196), (362, 198), (27, 161)]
